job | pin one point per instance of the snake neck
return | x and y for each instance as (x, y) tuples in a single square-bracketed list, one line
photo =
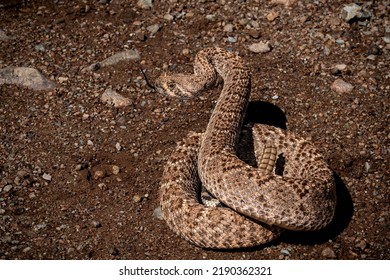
[(223, 129)]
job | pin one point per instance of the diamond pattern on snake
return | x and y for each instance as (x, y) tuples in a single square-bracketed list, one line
[(257, 202)]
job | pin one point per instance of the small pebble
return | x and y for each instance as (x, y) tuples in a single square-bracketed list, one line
[(110, 96), (341, 86), (272, 16), (96, 224), (153, 29), (25, 250), (39, 47), (228, 27), (145, 4), (46, 177), (328, 253), (115, 169), (260, 47), (232, 39), (114, 251), (98, 174), (118, 146), (285, 252), (137, 198), (361, 245), (7, 188), (157, 213), (168, 17)]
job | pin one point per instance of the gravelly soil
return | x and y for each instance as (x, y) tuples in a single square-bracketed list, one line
[(61, 196)]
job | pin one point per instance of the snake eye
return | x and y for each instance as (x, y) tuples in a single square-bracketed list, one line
[(171, 85)]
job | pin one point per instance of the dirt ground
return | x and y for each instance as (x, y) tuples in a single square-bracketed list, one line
[(79, 178)]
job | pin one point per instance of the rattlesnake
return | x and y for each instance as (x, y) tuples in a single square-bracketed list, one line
[(258, 203)]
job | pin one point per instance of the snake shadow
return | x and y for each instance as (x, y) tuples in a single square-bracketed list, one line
[(270, 114)]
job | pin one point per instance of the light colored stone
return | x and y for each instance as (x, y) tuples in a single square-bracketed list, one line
[(340, 66), (168, 17), (259, 47), (7, 188), (46, 177), (284, 2), (115, 169), (228, 27), (153, 29), (137, 198), (354, 11), (114, 59), (341, 86), (98, 174), (110, 96), (157, 213), (25, 76), (121, 56), (350, 11), (3, 36), (145, 4), (328, 253), (272, 15)]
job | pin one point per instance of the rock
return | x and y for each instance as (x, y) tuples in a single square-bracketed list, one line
[(145, 4), (40, 48), (285, 252), (259, 47), (46, 177), (112, 97), (115, 169), (361, 245), (340, 86), (25, 76), (118, 146), (254, 33), (338, 68), (185, 51), (137, 198), (114, 59), (168, 17), (141, 36), (114, 251), (284, 2), (328, 253), (272, 15), (96, 224), (7, 188), (353, 11), (228, 27), (25, 250), (232, 39), (98, 174), (3, 36), (153, 29), (157, 213)]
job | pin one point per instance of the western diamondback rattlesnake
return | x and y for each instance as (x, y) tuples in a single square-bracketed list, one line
[(259, 202)]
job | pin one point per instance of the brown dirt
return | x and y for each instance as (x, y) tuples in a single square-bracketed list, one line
[(70, 134)]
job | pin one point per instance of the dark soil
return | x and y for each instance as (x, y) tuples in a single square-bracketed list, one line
[(61, 198)]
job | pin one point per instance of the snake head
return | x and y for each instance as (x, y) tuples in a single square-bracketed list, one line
[(178, 85)]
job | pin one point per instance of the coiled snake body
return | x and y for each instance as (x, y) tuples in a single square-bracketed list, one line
[(258, 203)]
